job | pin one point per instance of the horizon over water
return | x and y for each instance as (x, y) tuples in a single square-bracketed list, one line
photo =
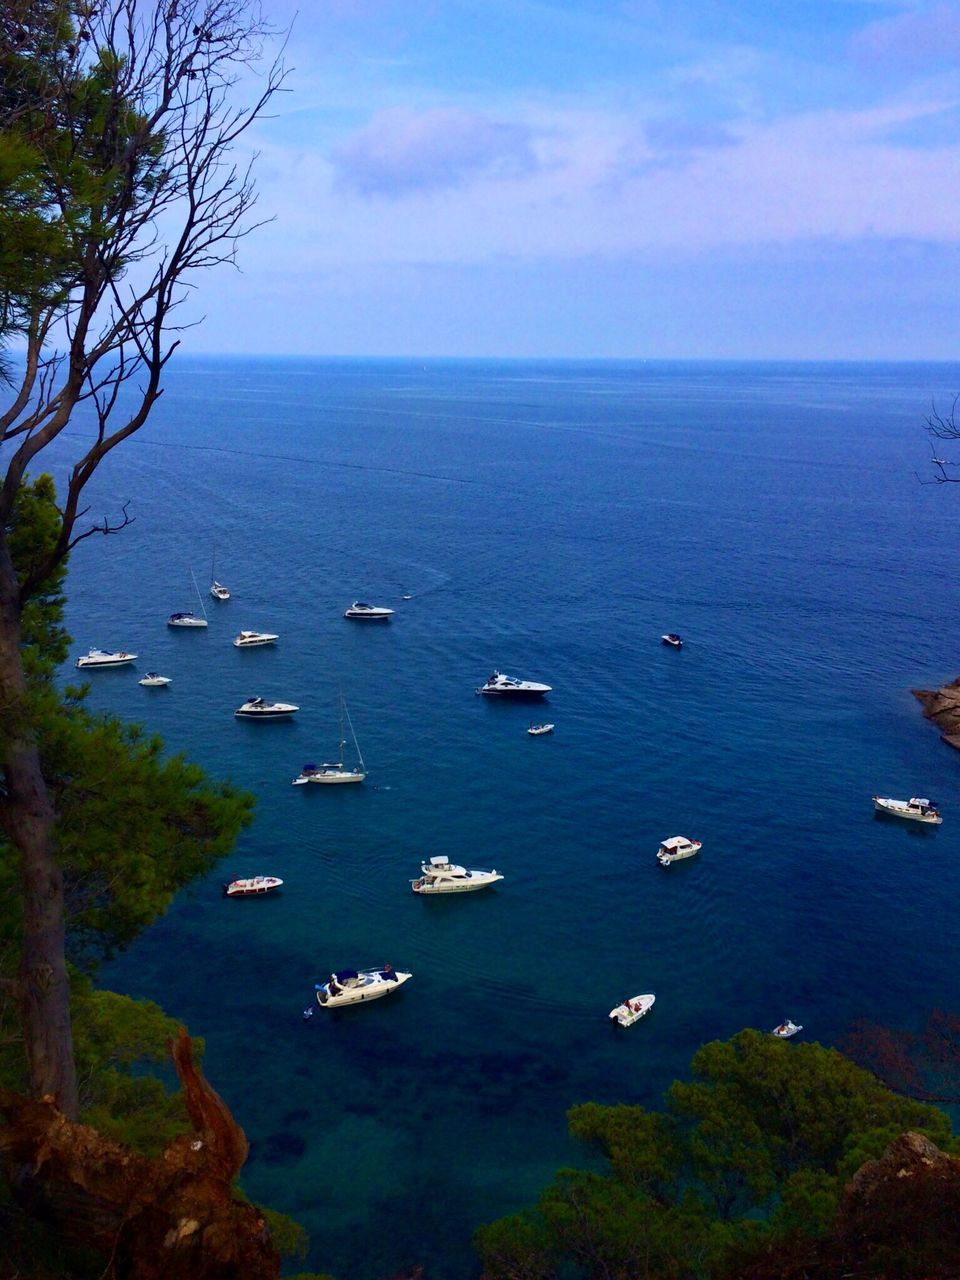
[(550, 519)]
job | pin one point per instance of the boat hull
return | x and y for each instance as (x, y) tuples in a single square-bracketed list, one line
[(455, 886), (183, 622), (335, 779), (112, 660), (252, 887)]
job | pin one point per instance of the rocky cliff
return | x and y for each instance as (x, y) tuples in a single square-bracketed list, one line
[(942, 706)]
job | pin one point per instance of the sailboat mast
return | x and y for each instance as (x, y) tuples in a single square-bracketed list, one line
[(197, 590), (356, 744)]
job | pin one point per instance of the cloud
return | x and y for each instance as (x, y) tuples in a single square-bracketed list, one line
[(402, 150), (922, 38)]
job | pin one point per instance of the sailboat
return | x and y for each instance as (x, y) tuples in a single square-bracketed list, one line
[(217, 589), (189, 619), (332, 772)]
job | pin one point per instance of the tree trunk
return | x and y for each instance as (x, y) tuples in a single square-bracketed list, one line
[(28, 818)]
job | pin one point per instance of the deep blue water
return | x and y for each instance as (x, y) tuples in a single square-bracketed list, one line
[(549, 519)]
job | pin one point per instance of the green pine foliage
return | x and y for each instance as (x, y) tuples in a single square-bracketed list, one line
[(755, 1148)]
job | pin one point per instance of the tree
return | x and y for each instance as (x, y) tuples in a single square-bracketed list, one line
[(755, 1148), (945, 427), (117, 126)]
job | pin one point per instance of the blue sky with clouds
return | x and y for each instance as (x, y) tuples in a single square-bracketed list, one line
[(636, 178)]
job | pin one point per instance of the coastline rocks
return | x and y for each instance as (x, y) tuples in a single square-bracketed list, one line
[(942, 706)]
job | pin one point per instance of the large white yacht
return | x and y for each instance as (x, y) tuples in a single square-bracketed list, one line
[(249, 639), (675, 849), (259, 709), (507, 686), (353, 986), (370, 612), (439, 875), (915, 808), (100, 658)]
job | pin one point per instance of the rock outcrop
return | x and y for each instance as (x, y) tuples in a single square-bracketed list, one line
[(942, 706)]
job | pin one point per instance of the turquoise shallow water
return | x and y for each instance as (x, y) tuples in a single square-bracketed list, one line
[(550, 519)]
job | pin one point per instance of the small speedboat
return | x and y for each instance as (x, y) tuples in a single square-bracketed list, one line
[(537, 730), (633, 1010), (259, 709), (500, 685), (672, 639), (100, 658), (249, 639), (916, 809), (251, 886), (676, 848), (368, 612), (786, 1030), (439, 875), (219, 591), (153, 681), (354, 986), (185, 620)]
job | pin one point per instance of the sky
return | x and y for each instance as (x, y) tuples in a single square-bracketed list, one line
[(755, 179)]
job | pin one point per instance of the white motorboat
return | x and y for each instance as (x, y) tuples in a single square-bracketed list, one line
[(500, 685), (249, 639), (633, 1010), (353, 986), (187, 619), (916, 809), (439, 875), (251, 886), (537, 730), (219, 591), (100, 658), (675, 849), (672, 639), (153, 681), (334, 772), (786, 1030), (368, 612), (259, 709)]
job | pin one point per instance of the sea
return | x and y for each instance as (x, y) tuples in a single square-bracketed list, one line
[(550, 520)]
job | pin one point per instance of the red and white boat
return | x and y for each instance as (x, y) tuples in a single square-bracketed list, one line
[(251, 886)]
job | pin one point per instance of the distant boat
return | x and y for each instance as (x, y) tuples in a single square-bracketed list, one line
[(916, 809), (334, 772), (536, 730), (251, 887), (368, 612), (786, 1030), (259, 709), (189, 619), (100, 658), (672, 639), (499, 685), (633, 1010), (440, 875), (676, 849), (250, 639), (217, 589), (153, 681), (354, 986)]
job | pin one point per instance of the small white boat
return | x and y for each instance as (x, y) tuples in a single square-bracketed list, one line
[(633, 1010), (186, 619), (259, 709), (368, 612), (500, 685), (676, 849), (672, 639), (251, 886), (153, 681), (916, 809), (537, 730), (100, 658), (249, 639), (334, 772), (219, 591), (353, 986), (786, 1030), (439, 875)]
